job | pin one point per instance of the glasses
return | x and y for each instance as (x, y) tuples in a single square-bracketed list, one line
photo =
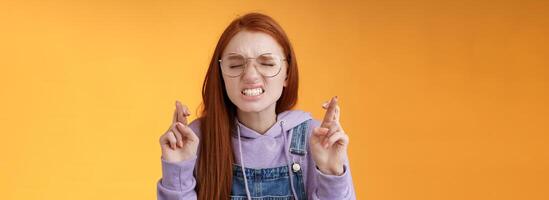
[(268, 65)]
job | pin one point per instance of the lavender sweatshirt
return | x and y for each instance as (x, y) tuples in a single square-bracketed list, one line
[(260, 151)]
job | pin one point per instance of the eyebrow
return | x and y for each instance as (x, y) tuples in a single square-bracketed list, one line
[(234, 55), (237, 54)]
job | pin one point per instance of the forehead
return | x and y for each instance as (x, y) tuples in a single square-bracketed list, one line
[(252, 44)]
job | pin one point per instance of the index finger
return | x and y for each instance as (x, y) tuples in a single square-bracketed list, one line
[(331, 111), (174, 120)]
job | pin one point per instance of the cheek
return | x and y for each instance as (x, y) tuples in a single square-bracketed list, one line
[(276, 87), (279, 82), (231, 87)]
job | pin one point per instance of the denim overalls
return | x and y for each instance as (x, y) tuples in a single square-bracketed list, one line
[(274, 183)]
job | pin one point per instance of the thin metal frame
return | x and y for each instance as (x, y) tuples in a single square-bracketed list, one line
[(246, 64)]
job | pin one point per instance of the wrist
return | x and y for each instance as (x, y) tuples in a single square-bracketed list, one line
[(336, 170)]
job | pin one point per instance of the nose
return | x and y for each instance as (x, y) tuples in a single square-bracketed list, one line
[(250, 73)]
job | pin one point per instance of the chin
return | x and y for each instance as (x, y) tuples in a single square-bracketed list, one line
[(251, 107)]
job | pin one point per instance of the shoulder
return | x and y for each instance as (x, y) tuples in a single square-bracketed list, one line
[(312, 124), (299, 117)]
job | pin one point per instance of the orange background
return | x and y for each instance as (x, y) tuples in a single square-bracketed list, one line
[(442, 100)]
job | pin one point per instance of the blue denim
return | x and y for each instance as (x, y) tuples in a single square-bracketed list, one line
[(273, 183), (299, 139)]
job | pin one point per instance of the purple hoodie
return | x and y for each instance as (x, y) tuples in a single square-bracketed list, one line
[(260, 151)]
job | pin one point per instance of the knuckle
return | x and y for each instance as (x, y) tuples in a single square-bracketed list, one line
[(176, 129), (171, 136)]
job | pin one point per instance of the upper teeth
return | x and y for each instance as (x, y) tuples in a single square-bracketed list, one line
[(252, 92)]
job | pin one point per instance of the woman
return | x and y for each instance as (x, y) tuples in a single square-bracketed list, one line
[(247, 143)]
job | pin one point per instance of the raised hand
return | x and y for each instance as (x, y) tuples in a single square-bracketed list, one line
[(179, 142), (329, 142)]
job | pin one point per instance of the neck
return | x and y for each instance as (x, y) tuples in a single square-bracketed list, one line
[(260, 121)]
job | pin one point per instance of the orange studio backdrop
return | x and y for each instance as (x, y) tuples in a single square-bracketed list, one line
[(441, 99)]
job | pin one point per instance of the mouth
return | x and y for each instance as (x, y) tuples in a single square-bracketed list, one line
[(251, 92)]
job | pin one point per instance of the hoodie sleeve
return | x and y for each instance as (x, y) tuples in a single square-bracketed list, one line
[(322, 186), (178, 181)]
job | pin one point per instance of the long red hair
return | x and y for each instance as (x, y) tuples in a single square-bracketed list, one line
[(214, 167)]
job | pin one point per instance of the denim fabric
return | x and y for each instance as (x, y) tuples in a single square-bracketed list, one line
[(299, 139)]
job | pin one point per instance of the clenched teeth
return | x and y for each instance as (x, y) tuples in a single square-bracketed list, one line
[(252, 92)]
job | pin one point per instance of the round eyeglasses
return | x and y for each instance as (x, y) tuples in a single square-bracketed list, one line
[(268, 64)]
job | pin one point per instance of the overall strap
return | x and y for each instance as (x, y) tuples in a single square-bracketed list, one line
[(299, 139)]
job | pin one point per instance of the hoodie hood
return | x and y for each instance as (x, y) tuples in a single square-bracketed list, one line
[(289, 120)]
